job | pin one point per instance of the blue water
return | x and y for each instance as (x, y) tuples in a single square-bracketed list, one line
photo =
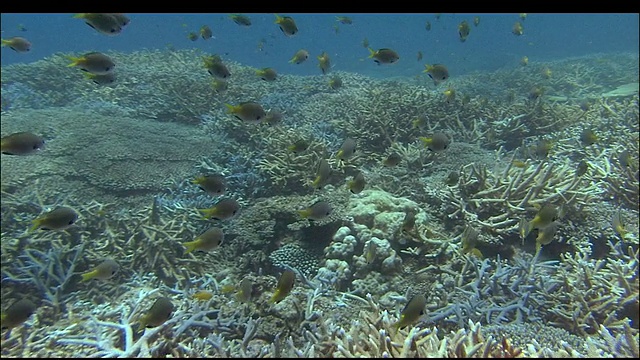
[(489, 46)]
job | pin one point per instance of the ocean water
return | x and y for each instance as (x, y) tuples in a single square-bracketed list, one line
[(512, 208)]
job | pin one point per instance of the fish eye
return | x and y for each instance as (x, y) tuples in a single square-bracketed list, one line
[(235, 211), (113, 272), (71, 222)]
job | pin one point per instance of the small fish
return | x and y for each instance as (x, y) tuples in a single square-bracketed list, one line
[(419, 122), (244, 290), (412, 311), (285, 285), (344, 20), (437, 16), (452, 178), (519, 164), (625, 159), (93, 62), (273, 117), (214, 184), (250, 112), (357, 184), (523, 16), (240, 19), (323, 171), (17, 313), (192, 36), (542, 149), (317, 211), (547, 73), (103, 79), (365, 43), (207, 241), (59, 218), (582, 168), (463, 30), (370, 252), (203, 295), (546, 234), (476, 21), (384, 56), (419, 55), (21, 27), (409, 221), (21, 143), (299, 57), (106, 24), (216, 68), (299, 146), (450, 95), (437, 142), (159, 312), (324, 62), (524, 61), (17, 44), (223, 210), (267, 74), (287, 25), (469, 239), (618, 225), (518, 29), (205, 32), (535, 93), (427, 26), (219, 85), (335, 83), (347, 149), (545, 216), (336, 29), (437, 72), (588, 137), (105, 270), (392, 160), (122, 19)]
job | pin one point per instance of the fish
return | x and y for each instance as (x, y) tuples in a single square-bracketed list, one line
[(219, 85), (223, 210), (437, 16), (21, 143), (299, 57), (105, 270), (207, 241), (248, 111), (625, 159), (16, 314), (216, 68), (240, 19), (582, 168), (370, 252), (546, 234), (618, 225), (392, 160), (205, 32), (450, 95), (324, 62), (524, 61), (546, 215), (535, 93), (192, 36), (517, 29), (203, 295), (17, 44), (347, 149), (93, 62), (357, 184), (103, 79), (409, 221), (437, 72), (588, 137), (21, 27), (244, 290), (267, 74), (106, 24), (463, 30), (452, 178), (344, 20), (59, 218), (299, 146), (547, 73), (122, 19), (214, 184), (419, 55), (476, 21), (411, 312), (437, 142), (469, 240), (384, 56), (427, 25), (584, 105), (519, 164), (318, 211), (284, 287), (419, 122), (523, 16), (542, 148), (159, 312), (365, 43), (287, 25), (335, 83), (273, 117), (323, 171)]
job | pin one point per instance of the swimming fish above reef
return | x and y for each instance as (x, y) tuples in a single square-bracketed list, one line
[(240, 19), (93, 62), (299, 146), (323, 171), (203, 295), (463, 30), (347, 149), (392, 160), (344, 20), (267, 74), (287, 25), (412, 311), (17, 44), (384, 56), (103, 79), (207, 241), (284, 287), (159, 312), (105, 270), (517, 29), (317, 211), (59, 218), (205, 32), (243, 293), (546, 215), (335, 83), (223, 210), (249, 111), (437, 142), (103, 23), (357, 184), (214, 184), (17, 313), (324, 62), (21, 143), (299, 57), (437, 72)]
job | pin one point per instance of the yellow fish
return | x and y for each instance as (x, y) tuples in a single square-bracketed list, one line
[(59, 218), (203, 295), (17, 44), (159, 312), (287, 25), (357, 184), (437, 142), (249, 111), (285, 285), (412, 311), (299, 57), (223, 210), (105, 270), (93, 62), (545, 216), (207, 241), (21, 143), (214, 184), (317, 211), (324, 62)]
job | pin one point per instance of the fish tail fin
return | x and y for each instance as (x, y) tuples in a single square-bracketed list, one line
[(206, 213), (275, 297), (278, 18), (230, 108), (525, 228), (477, 253), (88, 276), (36, 224), (371, 52), (191, 245), (5, 42), (425, 140), (74, 61), (79, 16), (427, 68), (304, 213)]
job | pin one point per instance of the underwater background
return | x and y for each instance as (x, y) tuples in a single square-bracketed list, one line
[(451, 185)]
